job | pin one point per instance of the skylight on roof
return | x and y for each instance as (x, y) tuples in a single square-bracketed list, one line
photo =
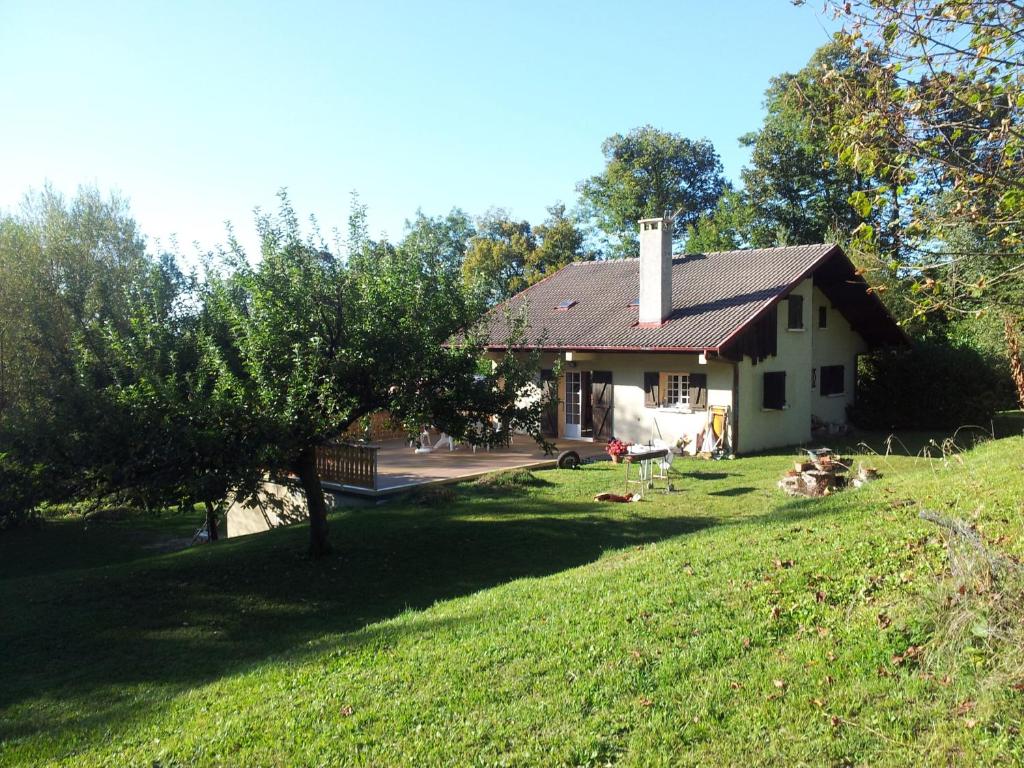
[(635, 303), (567, 304)]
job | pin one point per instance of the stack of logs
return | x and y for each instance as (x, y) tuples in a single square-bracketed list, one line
[(821, 475)]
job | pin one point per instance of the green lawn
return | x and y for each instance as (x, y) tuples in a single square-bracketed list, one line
[(722, 625)]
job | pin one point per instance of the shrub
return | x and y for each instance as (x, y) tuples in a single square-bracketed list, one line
[(928, 386)]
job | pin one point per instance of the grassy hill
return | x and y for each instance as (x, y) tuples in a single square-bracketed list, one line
[(722, 625)]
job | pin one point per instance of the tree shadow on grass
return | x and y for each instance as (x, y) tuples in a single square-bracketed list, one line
[(739, 490), (185, 619), (699, 475)]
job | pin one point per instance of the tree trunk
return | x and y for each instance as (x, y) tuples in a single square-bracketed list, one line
[(211, 521), (1013, 347), (306, 469)]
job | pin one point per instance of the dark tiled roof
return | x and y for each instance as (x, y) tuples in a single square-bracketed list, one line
[(714, 296)]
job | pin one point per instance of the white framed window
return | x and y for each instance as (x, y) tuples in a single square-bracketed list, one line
[(677, 390)]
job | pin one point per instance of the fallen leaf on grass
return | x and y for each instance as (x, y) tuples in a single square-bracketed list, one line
[(964, 707), (779, 684), (346, 711), (884, 621), (735, 686), (819, 596), (643, 701), (776, 611), (746, 642), (912, 652), (783, 563)]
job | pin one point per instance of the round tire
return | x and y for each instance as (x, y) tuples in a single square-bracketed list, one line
[(568, 460)]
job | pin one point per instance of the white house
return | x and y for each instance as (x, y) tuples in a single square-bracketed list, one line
[(648, 345)]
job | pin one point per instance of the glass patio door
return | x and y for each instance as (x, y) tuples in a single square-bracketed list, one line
[(573, 403)]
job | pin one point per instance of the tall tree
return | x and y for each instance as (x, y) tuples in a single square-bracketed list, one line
[(441, 239), (649, 172), (942, 114), (312, 342), (727, 228), (495, 265), (560, 241), (797, 191), (69, 271)]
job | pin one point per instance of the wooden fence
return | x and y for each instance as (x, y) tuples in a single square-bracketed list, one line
[(348, 464)]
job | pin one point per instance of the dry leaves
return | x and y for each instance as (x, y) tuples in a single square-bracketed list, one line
[(912, 652)]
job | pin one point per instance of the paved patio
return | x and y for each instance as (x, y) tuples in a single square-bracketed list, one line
[(399, 468)]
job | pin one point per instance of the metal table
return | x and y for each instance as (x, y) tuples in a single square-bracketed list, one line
[(649, 469)]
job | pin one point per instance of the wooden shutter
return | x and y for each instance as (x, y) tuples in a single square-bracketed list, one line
[(833, 380), (774, 390), (549, 392), (652, 389), (602, 405), (698, 390), (796, 312)]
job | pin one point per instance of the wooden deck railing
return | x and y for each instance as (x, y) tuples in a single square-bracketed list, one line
[(348, 464)]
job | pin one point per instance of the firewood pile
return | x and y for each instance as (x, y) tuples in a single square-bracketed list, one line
[(823, 473)]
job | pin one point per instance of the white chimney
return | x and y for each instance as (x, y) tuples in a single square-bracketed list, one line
[(655, 270)]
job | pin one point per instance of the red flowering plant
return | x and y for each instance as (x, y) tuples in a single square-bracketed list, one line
[(616, 448)]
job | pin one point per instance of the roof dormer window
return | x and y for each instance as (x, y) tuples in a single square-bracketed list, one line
[(566, 305)]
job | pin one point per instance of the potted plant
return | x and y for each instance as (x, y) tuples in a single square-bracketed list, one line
[(616, 449)]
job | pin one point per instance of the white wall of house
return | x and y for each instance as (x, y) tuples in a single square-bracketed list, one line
[(801, 354), (836, 344), (633, 421), (760, 428)]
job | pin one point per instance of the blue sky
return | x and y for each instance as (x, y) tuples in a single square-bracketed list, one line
[(199, 111)]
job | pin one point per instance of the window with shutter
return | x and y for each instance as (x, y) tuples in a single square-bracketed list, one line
[(652, 390), (677, 390), (774, 390), (796, 313), (833, 380)]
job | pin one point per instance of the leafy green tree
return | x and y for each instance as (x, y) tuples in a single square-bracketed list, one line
[(312, 342), (192, 439), (937, 112), (560, 241), (727, 228), (797, 191), (69, 272), (649, 172), (441, 239), (495, 265)]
